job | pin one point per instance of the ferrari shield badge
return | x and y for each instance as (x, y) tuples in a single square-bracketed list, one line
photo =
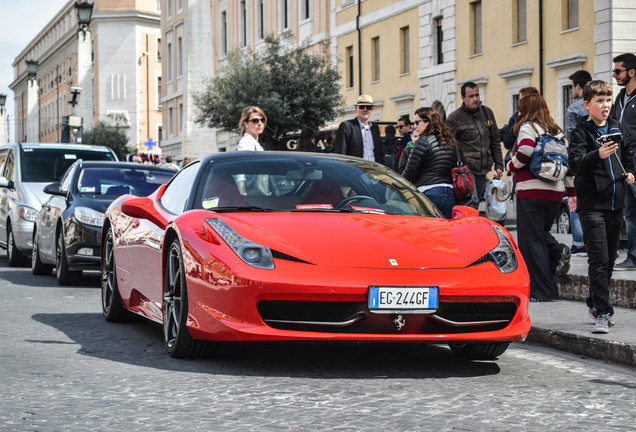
[(393, 261)]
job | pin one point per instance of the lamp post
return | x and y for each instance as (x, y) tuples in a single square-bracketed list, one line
[(84, 11), (33, 96), (4, 131)]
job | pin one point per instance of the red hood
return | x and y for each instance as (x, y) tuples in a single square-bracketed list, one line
[(368, 240)]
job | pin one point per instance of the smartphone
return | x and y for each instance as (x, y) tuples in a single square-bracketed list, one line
[(615, 137)]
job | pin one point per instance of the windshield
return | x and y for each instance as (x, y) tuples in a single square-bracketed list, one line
[(49, 164), (308, 184), (120, 181)]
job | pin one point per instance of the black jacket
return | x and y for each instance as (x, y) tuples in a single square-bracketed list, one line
[(349, 139), (430, 163), (599, 182)]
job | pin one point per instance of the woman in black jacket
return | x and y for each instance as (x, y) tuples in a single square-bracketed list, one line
[(431, 160)]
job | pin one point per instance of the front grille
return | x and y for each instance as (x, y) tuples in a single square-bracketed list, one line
[(354, 317)]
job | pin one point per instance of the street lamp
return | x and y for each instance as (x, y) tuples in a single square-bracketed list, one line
[(84, 11), (32, 69)]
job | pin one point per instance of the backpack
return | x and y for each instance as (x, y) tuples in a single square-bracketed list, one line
[(550, 158)]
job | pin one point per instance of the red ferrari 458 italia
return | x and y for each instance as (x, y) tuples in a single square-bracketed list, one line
[(264, 246)]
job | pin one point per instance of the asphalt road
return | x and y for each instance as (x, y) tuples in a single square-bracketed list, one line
[(66, 369)]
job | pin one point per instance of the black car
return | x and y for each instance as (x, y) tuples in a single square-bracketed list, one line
[(67, 229)]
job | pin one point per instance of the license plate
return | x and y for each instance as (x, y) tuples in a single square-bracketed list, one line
[(385, 299)]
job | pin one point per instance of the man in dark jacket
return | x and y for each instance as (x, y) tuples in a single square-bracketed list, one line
[(624, 112), (476, 132), (360, 137)]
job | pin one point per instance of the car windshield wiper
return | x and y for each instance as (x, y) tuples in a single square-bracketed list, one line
[(323, 210), (241, 209)]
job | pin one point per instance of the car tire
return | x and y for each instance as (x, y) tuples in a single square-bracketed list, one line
[(15, 258), (563, 222), (37, 266), (112, 307), (63, 274), (177, 340), (479, 351)]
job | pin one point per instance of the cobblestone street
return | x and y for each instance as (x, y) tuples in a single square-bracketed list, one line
[(66, 368)]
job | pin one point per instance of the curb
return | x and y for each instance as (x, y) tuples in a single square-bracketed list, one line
[(576, 287), (600, 349)]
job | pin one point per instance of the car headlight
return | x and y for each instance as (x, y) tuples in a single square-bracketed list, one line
[(503, 255), (28, 213), (252, 253), (88, 216)]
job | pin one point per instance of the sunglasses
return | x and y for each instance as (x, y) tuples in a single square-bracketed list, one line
[(257, 120), (425, 120), (366, 107), (618, 71)]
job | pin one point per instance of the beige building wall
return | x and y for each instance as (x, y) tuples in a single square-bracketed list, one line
[(506, 64), (372, 55)]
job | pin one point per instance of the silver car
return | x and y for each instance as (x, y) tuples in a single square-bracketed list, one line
[(24, 171)]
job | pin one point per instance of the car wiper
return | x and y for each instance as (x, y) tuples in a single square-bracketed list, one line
[(241, 209), (323, 210)]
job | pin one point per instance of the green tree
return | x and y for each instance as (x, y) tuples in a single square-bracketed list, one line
[(294, 87), (108, 136)]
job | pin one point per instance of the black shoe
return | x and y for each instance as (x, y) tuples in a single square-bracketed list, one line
[(563, 267)]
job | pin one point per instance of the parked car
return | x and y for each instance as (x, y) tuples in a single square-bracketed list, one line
[(311, 246), (68, 227), (24, 170)]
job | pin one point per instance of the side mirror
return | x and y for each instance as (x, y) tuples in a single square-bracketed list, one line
[(53, 189), (6, 183), (461, 211), (143, 208)]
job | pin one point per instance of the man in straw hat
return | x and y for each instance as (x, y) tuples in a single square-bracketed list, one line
[(360, 137)]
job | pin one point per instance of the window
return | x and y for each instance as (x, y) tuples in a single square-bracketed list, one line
[(571, 15), (180, 117), (224, 33), (305, 9), (438, 38), (179, 5), (515, 103), (284, 14), (405, 43), (179, 57), (520, 21), (476, 27), (169, 8), (159, 95), (169, 61), (242, 23), (158, 49), (349, 66), (170, 122), (260, 19), (375, 59), (173, 199)]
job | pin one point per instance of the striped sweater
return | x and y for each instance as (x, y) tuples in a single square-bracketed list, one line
[(528, 186)]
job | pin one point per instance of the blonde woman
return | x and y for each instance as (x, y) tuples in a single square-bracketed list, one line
[(251, 125)]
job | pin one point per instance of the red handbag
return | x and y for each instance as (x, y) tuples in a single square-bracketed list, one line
[(463, 181)]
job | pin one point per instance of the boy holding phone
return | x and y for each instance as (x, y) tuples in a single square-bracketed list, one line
[(602, 159)]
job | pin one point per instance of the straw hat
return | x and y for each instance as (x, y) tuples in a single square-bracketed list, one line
[(364, 100)]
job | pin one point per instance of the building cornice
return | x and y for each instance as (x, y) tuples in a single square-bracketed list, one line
[(516, 72), (567, 61)]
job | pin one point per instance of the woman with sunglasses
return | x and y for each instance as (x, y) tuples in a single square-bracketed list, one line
[(251, 125), (431, 159)]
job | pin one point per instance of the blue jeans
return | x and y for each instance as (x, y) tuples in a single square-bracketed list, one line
[(443, 198), (478, 193), (629, 213), (577, 231)]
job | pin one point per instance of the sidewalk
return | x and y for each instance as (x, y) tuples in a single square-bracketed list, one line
[(565, 324)]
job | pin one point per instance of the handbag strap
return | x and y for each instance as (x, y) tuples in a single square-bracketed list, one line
[(459, 158)]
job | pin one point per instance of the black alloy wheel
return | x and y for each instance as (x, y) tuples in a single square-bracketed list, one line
[(176, 337), (112, 307)]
